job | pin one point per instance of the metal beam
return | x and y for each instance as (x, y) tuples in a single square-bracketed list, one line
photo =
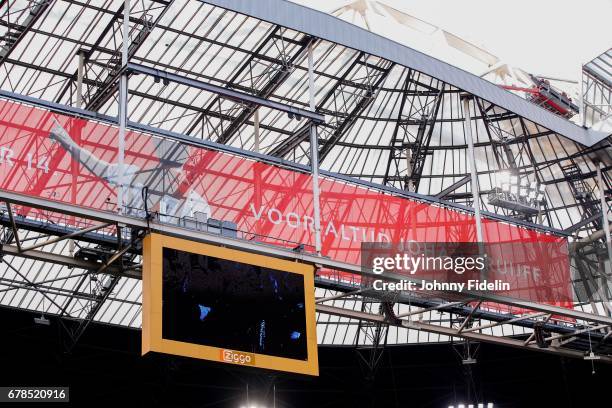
[(473, 171), (277, 80), (451, 332), (71, 262), (62, 237), (453, 187), (15, 35), (431, 309), (225, 92), (110, 85), (271, 250), (508, 321), (13, 225), (351, 117), (583, 223), (302, 133)]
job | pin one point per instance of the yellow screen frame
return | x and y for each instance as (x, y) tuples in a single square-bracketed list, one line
[(152, 339)]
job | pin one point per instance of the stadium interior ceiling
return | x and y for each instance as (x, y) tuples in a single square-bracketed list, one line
[(236, 79)]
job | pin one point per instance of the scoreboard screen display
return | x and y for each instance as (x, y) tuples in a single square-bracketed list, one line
[(220, 304)]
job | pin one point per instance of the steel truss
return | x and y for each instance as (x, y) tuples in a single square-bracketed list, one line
[(469, 321), (377, 121)]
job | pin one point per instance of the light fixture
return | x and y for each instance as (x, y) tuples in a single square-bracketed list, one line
[(42, 320), (591, 356), (515, 192)]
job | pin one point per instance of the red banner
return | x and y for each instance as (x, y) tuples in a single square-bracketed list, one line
[(73, 160)]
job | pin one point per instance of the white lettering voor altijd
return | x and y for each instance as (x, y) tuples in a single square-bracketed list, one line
[(295, 220), (7, 158)]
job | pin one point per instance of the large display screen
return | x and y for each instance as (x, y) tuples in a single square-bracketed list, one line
[(225, 305)]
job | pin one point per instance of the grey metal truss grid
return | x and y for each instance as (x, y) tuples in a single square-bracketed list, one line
[(387, 122)]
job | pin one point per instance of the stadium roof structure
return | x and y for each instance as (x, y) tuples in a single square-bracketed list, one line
[(388, 118)]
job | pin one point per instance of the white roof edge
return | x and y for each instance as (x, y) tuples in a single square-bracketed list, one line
[(321, 25)]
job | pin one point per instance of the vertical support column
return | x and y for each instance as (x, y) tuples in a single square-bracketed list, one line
[(123, 107), (314, 154), (74, 163), (80, 76), (582, 114), (257, 168), (408, 186), (256, 129), (604, 211), (472, 161)]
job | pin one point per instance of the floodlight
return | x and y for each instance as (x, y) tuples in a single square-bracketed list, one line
[(490, 405), (523, 192)]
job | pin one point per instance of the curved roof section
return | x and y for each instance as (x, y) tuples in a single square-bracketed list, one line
[(321, 25)]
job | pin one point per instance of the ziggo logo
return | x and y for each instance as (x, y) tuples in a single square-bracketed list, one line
[(237, 357)]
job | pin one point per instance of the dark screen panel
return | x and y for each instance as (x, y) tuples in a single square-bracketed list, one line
[(227, 304)]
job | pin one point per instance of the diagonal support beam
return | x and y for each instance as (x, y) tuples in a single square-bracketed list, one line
[(70, 235), (468, 317), (509, 321), (13, 225), (453, 187), (9, 250), (226, 93), (431, 309)]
